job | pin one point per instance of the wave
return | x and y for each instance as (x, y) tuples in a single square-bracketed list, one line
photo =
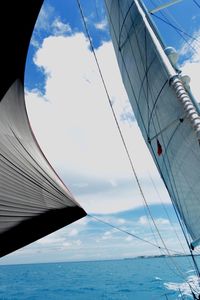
[(185, 288)]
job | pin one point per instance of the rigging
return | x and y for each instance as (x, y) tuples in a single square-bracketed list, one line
[(119, 129), (197, 4), (120, 132)]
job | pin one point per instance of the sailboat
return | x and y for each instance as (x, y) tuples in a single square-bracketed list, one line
[(33, 199)]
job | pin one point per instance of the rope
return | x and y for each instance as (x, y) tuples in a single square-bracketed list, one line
[(176, 28), (133, 235), (197, 4)]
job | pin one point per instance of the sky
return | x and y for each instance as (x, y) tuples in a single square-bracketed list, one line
[(72, 121)]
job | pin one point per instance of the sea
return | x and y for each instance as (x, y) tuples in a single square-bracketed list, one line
[(138, 278)]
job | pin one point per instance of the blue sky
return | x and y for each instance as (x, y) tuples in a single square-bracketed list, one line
[(72, 121)]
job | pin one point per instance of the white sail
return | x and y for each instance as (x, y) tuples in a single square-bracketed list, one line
[(164, 112)]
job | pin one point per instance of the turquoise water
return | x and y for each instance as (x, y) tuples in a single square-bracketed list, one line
[(141, 278)]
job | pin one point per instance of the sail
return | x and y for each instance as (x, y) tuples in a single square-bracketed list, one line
[(33, 200), (164, 121)]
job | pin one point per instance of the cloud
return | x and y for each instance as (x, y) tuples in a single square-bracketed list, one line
[(93, 240), (50, 240), (76, 130), (45, 17), (48, 23), (191, 63), (43, 24), (144, 220), (73, 232), (80, 185), (103, 25), (129, 238), (60, 28), (79, 135), (189, 51), (107, 235)]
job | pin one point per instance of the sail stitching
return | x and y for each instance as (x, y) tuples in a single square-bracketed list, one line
[(179, 121)]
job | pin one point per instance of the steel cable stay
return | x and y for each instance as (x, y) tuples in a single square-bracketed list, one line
[(197, 4), (180, 32), (179, 29), (133, 235)]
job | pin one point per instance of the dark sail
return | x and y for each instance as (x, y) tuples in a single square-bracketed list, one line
[(33, 200)]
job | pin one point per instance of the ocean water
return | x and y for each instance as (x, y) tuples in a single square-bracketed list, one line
[(140, 278)]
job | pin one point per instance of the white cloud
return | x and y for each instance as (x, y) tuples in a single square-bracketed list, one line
[(48, 23), (78, 242), (80, 185), (190, 50), (79, 135), (129, 238), (66, 245), (60, 28), (191, 65), (103, 25), (50, 240), (113, 182), (107, 235), (121, 221), (44, 19), (73, 232), (144, 220)]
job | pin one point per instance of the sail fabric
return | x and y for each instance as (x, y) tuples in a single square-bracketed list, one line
[(165, 127), (33, 200)]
